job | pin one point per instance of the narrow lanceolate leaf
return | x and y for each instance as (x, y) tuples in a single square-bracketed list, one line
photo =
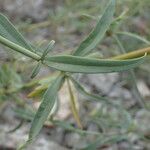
[(99, 31), (133, 35), (104, 140), (89, 96), (89, 65), (36, 70), (8, 31), (48, 49), (45, 107)]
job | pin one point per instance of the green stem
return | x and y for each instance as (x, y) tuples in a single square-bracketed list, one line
[(19, 49)]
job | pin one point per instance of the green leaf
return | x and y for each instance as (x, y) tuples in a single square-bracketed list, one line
[(45, 107), (64, 125), (48, 49), (17, 127), (99, 142), (36, 70), (42, 85), (89, 65), (88, 95), (133, 35), (8, 31), (67, 126), (24, 113), (99, 31)]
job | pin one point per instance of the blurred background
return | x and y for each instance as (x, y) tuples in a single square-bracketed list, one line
[(68, 22)]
